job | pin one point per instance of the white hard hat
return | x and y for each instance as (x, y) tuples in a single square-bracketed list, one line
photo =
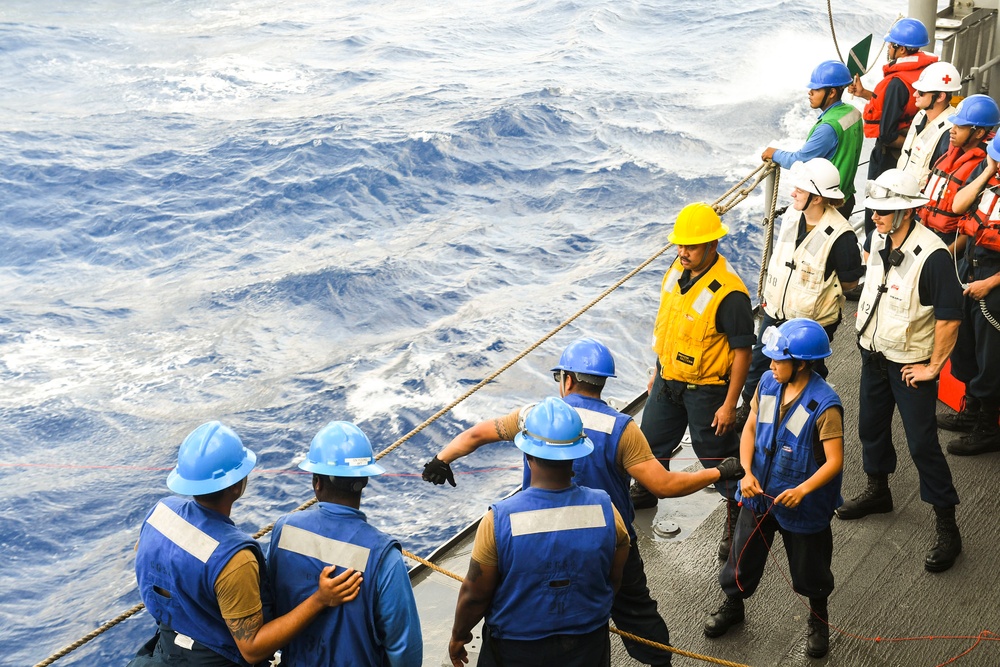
[(939, 77), (817, 176), (894, 190)]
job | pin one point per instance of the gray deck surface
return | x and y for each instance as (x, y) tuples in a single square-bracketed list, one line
[(882, 589)]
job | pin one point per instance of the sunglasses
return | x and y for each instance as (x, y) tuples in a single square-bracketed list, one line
[(882, 213), (558, 376)]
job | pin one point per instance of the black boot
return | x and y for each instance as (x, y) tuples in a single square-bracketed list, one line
[(726, 543), (985, 436), (818, 639), (965, 419), (642, 498), (728, 615), (948, 542), (875, 499)]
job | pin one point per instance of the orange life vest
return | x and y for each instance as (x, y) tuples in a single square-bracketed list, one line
[(907, 70), (949, 174), (984, 223)]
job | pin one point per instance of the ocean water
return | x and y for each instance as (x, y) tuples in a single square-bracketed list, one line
[(280, 214)]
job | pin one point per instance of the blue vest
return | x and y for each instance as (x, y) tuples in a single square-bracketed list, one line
[(182, 549), (303, 544), (604, 426), (555, 550), (784, 457)]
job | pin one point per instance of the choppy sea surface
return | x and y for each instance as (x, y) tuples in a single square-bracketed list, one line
[(277, 214)]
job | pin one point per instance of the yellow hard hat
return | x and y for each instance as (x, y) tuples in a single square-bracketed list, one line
[(697, 223)]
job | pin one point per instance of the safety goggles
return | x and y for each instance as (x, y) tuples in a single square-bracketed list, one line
[(876, 191), (774, 341)]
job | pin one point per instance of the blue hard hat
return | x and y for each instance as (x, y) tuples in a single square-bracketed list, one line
[(910, 33), (553, 430), (830, 74), (589, 356), (977, 110), (341, 449), (798, 338), (210, 459), (993, 148)]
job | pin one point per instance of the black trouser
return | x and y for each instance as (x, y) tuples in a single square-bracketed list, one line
[(589, 650), (674, 406), (634, 611), (976, 357), (847, 208), (162, 651), (809, 557), (882, 389)]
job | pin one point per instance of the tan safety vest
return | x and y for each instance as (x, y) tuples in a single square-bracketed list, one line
[(685, 338), (918, 149), (796, 284), (902, 328)]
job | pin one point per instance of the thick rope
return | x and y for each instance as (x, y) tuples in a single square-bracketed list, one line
[(719, 207), (833, 31), (86, 638), (768, 231)]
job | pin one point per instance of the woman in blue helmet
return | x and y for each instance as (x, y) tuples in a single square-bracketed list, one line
[(793, 450)]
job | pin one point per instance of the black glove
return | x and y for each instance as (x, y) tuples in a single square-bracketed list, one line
[(437, 471), (728, 469)]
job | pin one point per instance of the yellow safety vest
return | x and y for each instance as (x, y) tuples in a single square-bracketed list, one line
[(690, 347)]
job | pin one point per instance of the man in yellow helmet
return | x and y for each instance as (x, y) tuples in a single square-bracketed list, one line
[(702, 338)]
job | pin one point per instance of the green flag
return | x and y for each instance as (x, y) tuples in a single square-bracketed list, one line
[(857, 59)]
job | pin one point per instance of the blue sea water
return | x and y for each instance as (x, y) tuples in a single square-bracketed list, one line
[(280, 214)]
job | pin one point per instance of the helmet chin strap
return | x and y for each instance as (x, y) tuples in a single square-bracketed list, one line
[(897, 221)]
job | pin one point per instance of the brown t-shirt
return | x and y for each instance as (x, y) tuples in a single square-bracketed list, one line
[(238, 586), (633, 448)]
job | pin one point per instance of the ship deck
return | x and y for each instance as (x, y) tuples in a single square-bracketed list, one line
[(886, 609)]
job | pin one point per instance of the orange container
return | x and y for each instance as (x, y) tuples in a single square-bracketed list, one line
[(950, 390)]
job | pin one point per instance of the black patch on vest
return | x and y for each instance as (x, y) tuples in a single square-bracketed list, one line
[(559, 583), (715, 286), (685, 359), (828, 230), (917, 251), (813, 404)]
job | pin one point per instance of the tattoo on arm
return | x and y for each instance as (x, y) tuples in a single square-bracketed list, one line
[(475, 571), (244, 629), (499, 429)]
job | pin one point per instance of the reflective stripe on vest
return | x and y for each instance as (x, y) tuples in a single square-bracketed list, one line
[(846, 122), (557, 519), (188, 537), (597, 421), (949, 174), (326, 549), (984, 224)]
